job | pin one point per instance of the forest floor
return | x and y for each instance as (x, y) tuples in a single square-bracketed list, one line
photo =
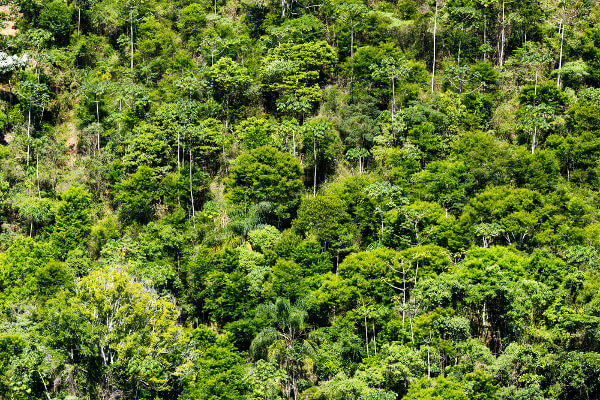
[(9, 28), (71, 132)]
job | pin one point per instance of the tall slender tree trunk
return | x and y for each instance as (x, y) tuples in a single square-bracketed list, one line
[(131, 31), (178, 150), (315, 169), (434, 38), (412, 332), (535, 127), (351, 39), (28, 129), (483, 322), (428, 363), (37, 174), (502, 35), (192, 188), (484, 34), (562, 41), (393, 108), (366, 333), (403, 295), (374, 337)]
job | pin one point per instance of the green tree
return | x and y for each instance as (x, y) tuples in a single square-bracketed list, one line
[(448, 183), (320, 142), (256, 132), (124, 331), (284, 340), (265, 174), (230, 82), (137, 196), (217, 370), (55, 17), (440, 388), (325, 219), (295, 71), (192, 19), (73, 223)]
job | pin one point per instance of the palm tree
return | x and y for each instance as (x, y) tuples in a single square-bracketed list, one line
[(285, 341)]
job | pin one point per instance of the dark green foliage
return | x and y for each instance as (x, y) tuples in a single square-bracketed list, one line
[(299, 200), (266, 174), (72, 225), (55, 17), (137, 196)]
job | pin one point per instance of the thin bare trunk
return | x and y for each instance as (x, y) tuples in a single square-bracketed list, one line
[(192, 188), (393, 107), (37, 174), (119, 123), (366, 333), (315, 169), (351, 39), (28, 129), (131, 29), (562, 41), (434, 38), (403, 295), (428, 363), (483, 322), (374, 338), (294, 142), (484, 34), (45, 387), (502, 36)]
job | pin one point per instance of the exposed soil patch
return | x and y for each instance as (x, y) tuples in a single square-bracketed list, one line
[(8, 22)]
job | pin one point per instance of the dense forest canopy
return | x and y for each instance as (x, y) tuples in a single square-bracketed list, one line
[(299, 199)]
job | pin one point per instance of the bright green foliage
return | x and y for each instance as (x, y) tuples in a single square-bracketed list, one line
[(35, 211), (448, 183), (10, 345), (138, 195), (55, 17), (217, 371), (365, 273), (320, 144), (191, 21), (18, 268), (439, 389), (73, 224), (284, 340), (265, 174), (264, 238), (230, 81), (294, 71), (146, 147), (256, 132), (519, 213), (325, 219), (125, 330), (283, 200)]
